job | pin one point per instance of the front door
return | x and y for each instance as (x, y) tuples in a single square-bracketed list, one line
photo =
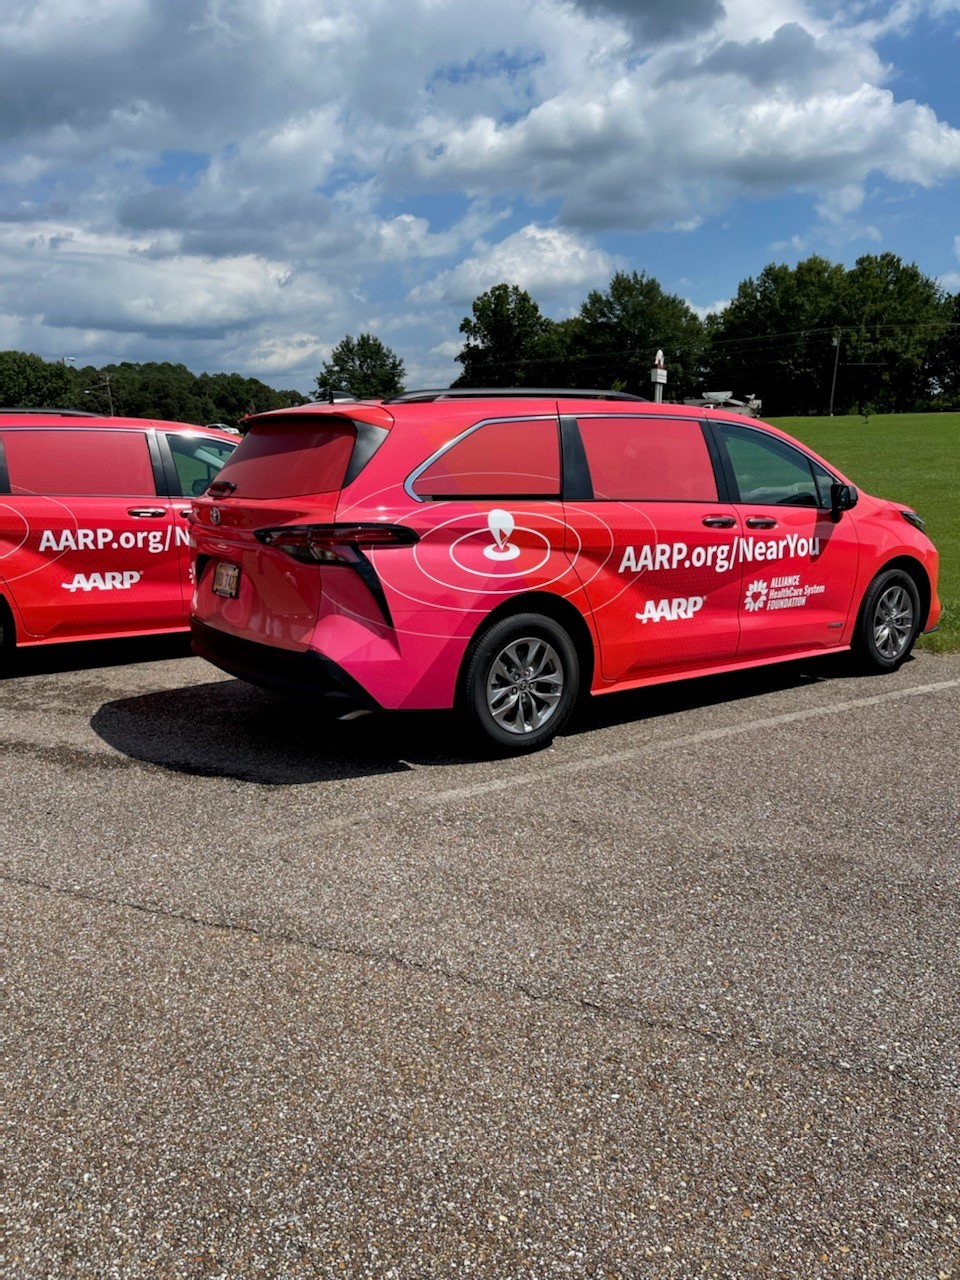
[(798, 566)]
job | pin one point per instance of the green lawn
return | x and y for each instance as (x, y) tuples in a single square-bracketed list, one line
[(913, 458)]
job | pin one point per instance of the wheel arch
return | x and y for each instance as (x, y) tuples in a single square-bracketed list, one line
[(552, 606), (8, 625), (915, 569)]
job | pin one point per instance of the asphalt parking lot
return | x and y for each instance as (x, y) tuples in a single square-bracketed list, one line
[(678, 997)]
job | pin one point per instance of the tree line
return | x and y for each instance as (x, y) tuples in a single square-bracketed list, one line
[(879, 337), (153, 390)]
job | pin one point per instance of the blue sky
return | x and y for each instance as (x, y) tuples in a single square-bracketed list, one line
[(237, 185)]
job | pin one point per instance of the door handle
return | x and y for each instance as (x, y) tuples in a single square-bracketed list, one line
[(147, 513), (185, 512), (760, 522), (719, 522)]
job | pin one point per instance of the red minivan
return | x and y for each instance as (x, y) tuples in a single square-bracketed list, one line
[(501, 552), (94, 539)]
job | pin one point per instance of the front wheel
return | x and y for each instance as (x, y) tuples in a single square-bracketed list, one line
[(520, 682), (889, 621), (8, 635)]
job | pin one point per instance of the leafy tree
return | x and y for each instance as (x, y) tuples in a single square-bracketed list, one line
[(621, 330), (30, 382), (775, 339), (946, 370), (896, 318), (509, 342), (364, 367), (877, 327), (229, 397)]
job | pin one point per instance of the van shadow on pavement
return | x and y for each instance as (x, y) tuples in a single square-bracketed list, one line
[(230, 729)]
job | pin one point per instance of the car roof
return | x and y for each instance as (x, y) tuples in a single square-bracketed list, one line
[(82, 419), (456, 402)]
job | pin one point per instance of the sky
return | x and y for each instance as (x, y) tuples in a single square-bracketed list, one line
[(238, 184)]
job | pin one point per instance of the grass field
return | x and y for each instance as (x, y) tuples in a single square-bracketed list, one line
[(913, 458)]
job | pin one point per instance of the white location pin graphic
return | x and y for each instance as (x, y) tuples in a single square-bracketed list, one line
[(501, 524)]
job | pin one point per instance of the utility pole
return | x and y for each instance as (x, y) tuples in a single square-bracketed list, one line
[(98, 386), (836, 361)]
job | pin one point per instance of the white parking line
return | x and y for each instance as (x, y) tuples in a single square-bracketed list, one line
[(660, 745)]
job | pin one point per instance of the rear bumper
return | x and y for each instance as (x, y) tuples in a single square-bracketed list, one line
[(280, 670)]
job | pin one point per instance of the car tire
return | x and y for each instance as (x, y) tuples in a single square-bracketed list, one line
[(888, 623), (520, 683)]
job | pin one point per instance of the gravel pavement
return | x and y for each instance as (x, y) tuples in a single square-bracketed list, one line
[(677, 997)]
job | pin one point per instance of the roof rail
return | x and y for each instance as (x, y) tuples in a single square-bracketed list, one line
[(508, 393), (54, 413)]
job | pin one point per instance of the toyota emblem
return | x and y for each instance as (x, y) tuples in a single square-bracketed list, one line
[(214, 515)]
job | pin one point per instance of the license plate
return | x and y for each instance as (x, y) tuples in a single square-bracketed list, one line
[(226, 579)]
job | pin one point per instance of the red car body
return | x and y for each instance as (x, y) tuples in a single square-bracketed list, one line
[(94, 539), (367, 550)]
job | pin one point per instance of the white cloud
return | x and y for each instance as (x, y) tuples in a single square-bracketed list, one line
[(246, 181), (546, 261), (712, 308)]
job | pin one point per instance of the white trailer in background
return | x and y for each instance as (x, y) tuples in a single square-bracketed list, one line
[(751, 406)]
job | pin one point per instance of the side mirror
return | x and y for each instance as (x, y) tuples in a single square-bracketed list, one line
[(843, 497)]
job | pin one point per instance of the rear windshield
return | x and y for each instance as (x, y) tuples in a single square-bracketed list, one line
[(289, 457)]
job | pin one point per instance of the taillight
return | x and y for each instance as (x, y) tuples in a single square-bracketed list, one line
[(334, 543)]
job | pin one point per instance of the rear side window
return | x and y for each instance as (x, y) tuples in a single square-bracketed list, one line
[(515, 459), (289, 457), (648, 460), (79, 463)]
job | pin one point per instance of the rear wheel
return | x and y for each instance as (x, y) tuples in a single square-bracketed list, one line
[(889, 621), (520, 682)]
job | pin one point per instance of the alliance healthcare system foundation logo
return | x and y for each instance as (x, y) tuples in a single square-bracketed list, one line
[(756, 596)]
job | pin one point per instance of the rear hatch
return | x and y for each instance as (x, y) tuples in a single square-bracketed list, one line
[(259, 573)]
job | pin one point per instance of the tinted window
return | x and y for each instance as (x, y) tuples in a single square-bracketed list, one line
[(498, 460), (288, 457), (197, 459), (648, 459), (769, 471), (109, 463)]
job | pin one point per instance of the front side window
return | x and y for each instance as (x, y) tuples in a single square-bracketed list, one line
[(515, 459), (71, 463), (197, 459), (648, 459), (771, 472)]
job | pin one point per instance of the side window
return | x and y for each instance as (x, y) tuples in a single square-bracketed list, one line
[(197, 459), (768, 471), (109, 463), (648, 459), (824, 480), (514, 459)]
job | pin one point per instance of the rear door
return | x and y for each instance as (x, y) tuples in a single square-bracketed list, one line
[(490, 519), (655, 546), (93, 552), (287, 471)]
